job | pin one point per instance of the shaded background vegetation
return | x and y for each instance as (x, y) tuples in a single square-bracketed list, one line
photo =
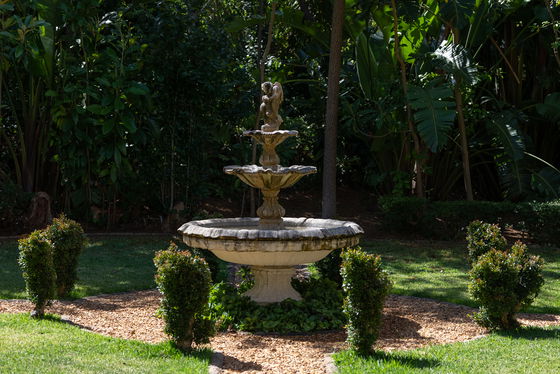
[(125, 112)]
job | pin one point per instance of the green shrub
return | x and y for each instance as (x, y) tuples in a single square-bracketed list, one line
[(366, 286), (482, 237), (447, 219), (540, 220), (329, 267), (36, 262), (68, 240), (503, 282), (320, 309), (184, 281)]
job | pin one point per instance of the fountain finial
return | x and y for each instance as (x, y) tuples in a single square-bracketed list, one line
[(271, 99)]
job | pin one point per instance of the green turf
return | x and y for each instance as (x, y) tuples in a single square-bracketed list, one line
[(529, 350), (51, 346), (107, 265), (438, 270)]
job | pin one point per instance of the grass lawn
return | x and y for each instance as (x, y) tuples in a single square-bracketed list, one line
[(51, 346), (107, 265), (438, 270), (529, 350)]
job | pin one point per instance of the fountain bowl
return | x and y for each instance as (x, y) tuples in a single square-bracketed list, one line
[(300, 241), (271, 253)]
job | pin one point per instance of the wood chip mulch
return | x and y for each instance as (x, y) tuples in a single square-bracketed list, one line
[(408, 322)]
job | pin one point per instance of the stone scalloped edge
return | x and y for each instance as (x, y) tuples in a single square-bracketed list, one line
[(270, 133), (315, 228), (280, 170)]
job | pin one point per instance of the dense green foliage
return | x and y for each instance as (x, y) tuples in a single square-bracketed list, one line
[(36, 263), (482, 237), (447, 219), (366, 285), (503, 282), (51, 346), (68, 240), (329, 267), (320, 309), (527, 350), (184, 281), (97, 105)]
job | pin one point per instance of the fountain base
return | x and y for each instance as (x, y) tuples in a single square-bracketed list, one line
[(272, 284)]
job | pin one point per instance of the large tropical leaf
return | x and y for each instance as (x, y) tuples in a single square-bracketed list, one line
[(505, 127), (434, 113), (374, 64), (547, 182), (455, 60), (457, 12), (550, 109), (514, 174), (366, 64)]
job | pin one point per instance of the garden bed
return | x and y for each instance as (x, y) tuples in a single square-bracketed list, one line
[(409, 322)]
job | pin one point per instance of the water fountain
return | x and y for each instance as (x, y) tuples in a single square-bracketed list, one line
[(270, 244)]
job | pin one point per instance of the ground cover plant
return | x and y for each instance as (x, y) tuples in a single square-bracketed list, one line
[(50, 346), (527, 350), (320, 309)]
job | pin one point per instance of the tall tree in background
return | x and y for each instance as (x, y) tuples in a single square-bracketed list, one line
[(329, 158)]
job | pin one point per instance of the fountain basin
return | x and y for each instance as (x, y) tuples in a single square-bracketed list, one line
[(269, 178), (271, 253)]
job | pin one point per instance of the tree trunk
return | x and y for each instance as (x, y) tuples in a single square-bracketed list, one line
[(418, 186), (462, 129), (464, 143), (331, 120)]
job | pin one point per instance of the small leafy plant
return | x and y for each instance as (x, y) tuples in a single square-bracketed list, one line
[(366, 286), (184, 281), (320, 309), (482, 237), (503, 282), (68, 240), (36, 262)]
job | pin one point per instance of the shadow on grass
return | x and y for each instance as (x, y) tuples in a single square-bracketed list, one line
[(402, 359), (532, 333)]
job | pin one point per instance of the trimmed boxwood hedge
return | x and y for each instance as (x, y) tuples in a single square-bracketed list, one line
[(447, 219)]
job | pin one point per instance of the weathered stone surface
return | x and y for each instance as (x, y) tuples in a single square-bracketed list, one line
[(295, 229)]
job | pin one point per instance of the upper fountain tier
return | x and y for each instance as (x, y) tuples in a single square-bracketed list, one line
[(270, 177)]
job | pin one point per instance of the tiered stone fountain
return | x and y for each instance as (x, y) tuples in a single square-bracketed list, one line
[(270, 244)]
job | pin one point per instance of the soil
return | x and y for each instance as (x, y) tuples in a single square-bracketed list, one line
[(408, 322)]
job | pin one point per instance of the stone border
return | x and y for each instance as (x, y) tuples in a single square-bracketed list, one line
[(216, 363), (330, 367)]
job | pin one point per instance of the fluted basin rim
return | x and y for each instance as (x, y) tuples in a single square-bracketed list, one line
[(270, 133), (280, 170), (294, 229)]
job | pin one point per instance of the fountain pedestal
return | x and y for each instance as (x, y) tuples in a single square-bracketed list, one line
[(272, 284)]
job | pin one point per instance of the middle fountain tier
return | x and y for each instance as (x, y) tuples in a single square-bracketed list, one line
[(271, 244)]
